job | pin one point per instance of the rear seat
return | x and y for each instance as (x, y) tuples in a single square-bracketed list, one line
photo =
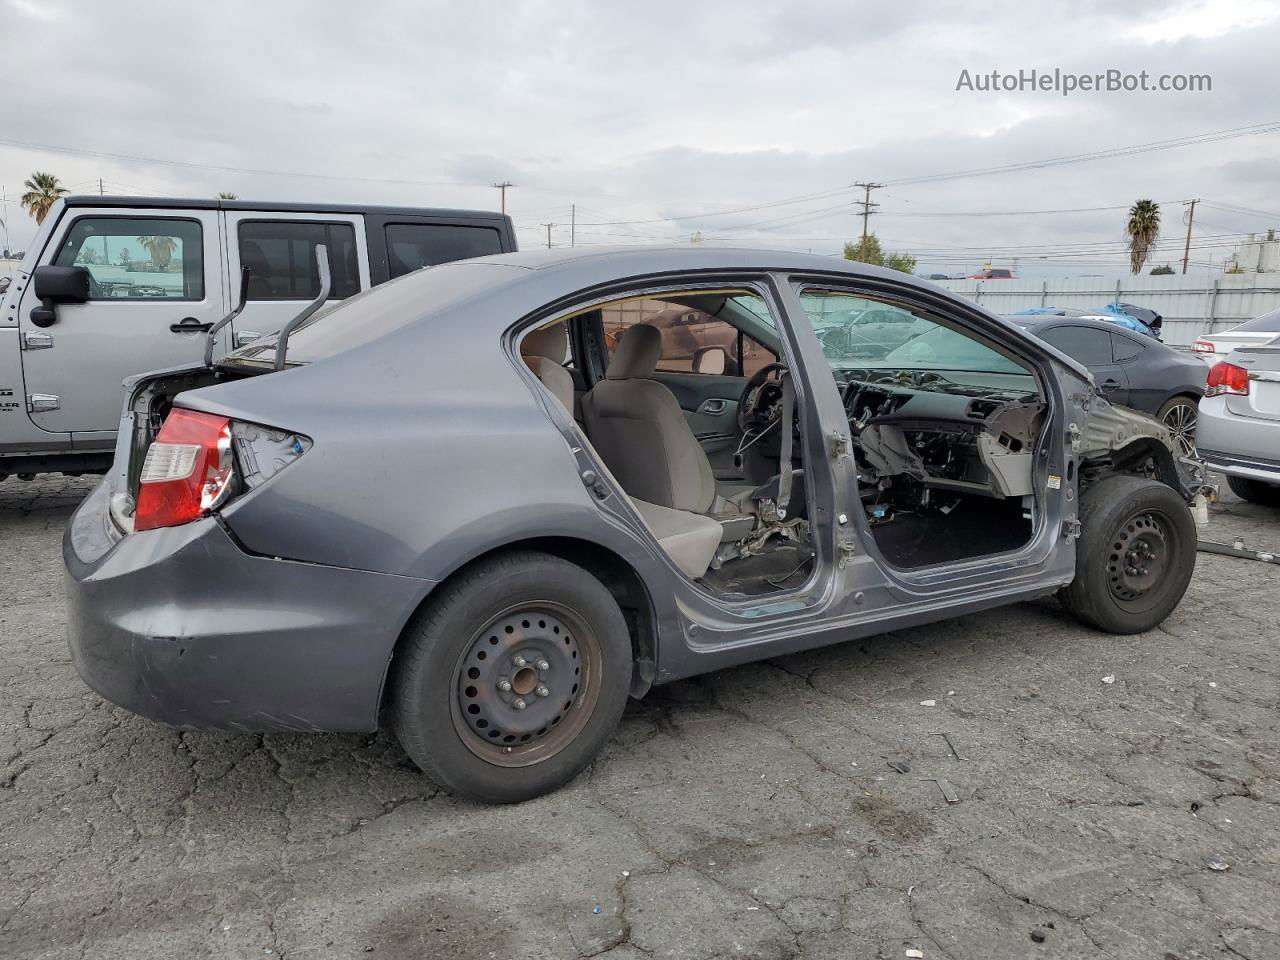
[(689, 539)]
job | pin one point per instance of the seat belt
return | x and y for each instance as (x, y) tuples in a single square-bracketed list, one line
[(788, 435)]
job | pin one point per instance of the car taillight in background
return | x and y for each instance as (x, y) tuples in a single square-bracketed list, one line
[(1227, 378), (191, 468), (1203, 346)]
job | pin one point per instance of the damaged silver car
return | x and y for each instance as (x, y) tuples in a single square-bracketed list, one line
[(487, 501)]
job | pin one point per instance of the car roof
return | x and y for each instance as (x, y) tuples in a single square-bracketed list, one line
[(1036, 323), (285, 206), (646, 258)]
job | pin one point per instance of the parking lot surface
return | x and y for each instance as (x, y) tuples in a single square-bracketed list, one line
[(1117, 797)]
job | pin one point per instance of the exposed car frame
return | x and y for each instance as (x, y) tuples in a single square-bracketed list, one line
[(336, 589)]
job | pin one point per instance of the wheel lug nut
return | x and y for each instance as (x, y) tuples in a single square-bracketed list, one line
[(519, 703), (519, 661), (542, 690), (504, 686), (543, 665)]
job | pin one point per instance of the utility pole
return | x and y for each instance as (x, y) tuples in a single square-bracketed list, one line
[(549, 226), (867, 207), (502, 189), (573, 224), (1191, 215), (100, 190)]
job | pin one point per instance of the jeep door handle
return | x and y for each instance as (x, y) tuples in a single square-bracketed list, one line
[(190, 325)]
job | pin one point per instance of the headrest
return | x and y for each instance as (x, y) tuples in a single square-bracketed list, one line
[(551, 342), (636, 354)]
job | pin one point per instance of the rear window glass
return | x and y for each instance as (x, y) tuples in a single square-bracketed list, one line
[(1088, 346), (411, 246), (280, 255), (1124, 348), (379, 311), (1267, 323)]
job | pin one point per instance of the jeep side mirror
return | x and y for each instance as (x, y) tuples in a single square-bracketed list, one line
[(54, 285), (62, 284), (711, 360)]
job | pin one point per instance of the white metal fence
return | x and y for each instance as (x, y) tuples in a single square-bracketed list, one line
[(1190, 306)]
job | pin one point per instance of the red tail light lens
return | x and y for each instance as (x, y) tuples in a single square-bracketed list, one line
[(1227, 378), (188, 472), (1203, 346)]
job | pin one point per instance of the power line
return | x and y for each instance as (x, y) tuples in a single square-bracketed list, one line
[(1191, 140), (868, 207), (193, 165), (502, 189)]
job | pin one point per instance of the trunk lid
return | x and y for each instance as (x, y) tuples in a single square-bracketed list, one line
[(1263, 400)]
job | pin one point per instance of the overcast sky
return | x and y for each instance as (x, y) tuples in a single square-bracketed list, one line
[(640, 112)]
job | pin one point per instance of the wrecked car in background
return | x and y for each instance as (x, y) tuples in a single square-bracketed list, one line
[(460, 503)]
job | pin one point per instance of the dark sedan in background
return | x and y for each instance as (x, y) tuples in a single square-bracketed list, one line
[(1133, 370)]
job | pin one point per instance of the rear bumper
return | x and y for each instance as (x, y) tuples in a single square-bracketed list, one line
[(1237, 446), (182, 626)]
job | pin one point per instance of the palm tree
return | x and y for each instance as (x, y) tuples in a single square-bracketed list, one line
[(1142, 231), (161, 250), (224, 195), (43, 191)]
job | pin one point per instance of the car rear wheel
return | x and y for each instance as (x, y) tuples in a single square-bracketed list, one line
[(1255, 491), (1179, 415), (512, 679), (1135, 555)]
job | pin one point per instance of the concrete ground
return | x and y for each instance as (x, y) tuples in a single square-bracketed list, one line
[(751, 813)]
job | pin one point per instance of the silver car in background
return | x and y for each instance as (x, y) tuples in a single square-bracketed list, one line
[(1238, 432)]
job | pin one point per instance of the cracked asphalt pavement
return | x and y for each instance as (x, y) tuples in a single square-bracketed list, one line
[(749, 813)]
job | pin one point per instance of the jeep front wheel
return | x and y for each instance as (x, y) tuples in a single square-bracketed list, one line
[(1135, 555)]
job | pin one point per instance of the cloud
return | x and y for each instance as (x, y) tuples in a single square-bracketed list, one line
[(640, 112)]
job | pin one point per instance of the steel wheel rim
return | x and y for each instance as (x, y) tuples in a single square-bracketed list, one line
[(1181, 421), (1139, 557), (528, 648)]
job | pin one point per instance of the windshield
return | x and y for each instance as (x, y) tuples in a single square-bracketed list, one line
[(860, 332)]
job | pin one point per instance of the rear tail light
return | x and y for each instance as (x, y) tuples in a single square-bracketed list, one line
[(1203, 346), (1227, 378), (188, 472), (200, 461)]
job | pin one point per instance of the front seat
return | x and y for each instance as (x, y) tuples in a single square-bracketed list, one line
[(640, 431)]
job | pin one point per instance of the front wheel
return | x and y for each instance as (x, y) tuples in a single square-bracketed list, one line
[(512, 679), (1135, 555)]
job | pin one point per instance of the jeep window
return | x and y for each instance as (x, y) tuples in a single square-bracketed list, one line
[(687, 330), (411, 246), (280, 255), (137, 258)]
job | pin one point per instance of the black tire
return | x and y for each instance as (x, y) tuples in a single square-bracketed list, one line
[(1179, 415), (487, 620), (1255, 491), (1135, 555)]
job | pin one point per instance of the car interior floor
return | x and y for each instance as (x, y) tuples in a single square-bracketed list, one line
[(783, 566), (971, 526)]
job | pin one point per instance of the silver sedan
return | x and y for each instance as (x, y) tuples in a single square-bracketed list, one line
[(1239, 425)]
